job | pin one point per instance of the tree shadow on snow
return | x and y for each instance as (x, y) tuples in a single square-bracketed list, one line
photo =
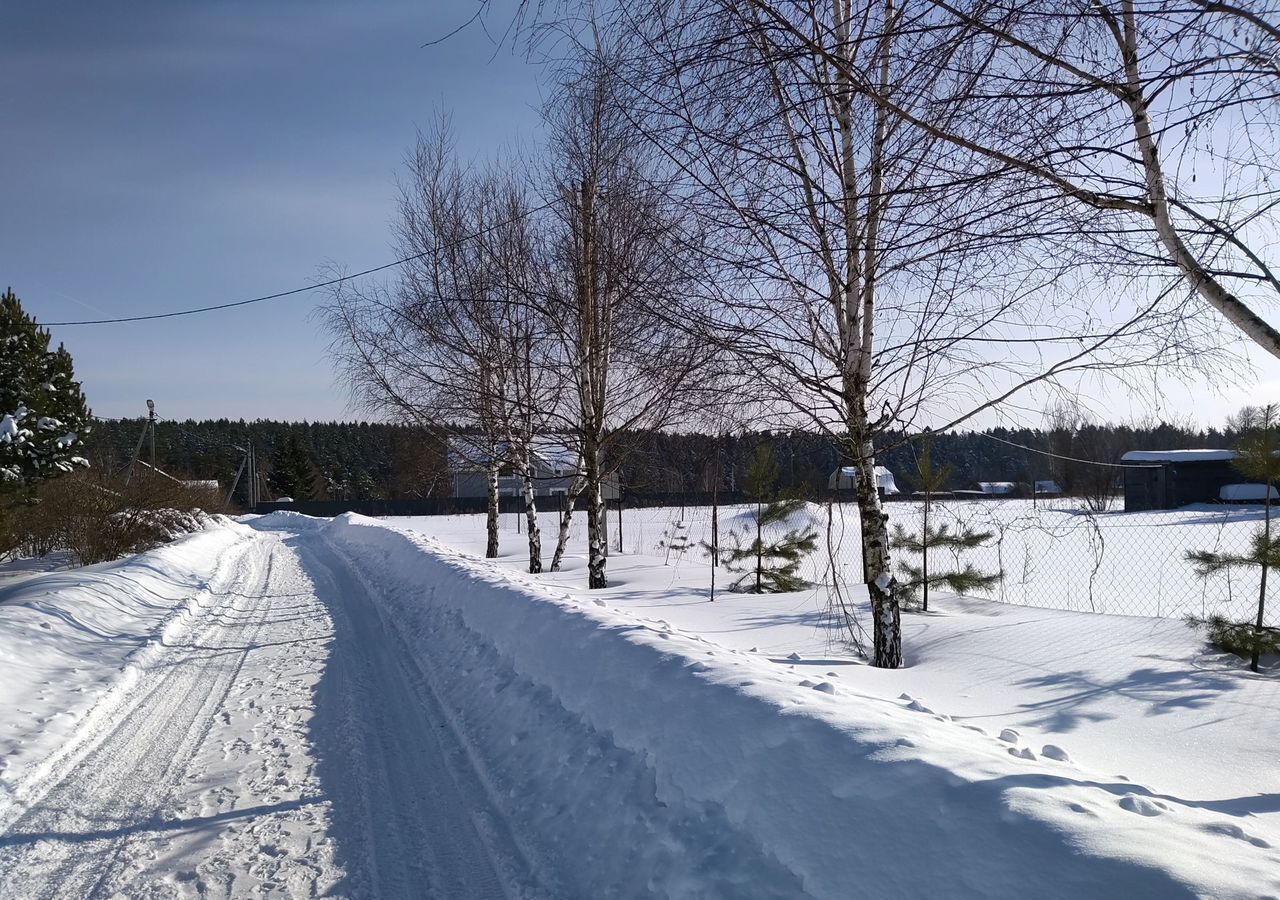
[(1081, 696)]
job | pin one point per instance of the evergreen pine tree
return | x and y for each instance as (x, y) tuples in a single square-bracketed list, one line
[(43, 416), (770, 566), (292, 472), (1257, 457), (917, 578)]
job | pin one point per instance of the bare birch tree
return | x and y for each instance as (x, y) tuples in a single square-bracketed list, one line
[(1155, 122), (454, 339), (869, 274), (617, 266)]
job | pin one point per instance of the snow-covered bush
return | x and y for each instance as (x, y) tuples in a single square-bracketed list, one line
[(97, 518)]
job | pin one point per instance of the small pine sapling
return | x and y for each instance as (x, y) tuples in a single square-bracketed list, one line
[(918, 577), (675, 538), (1257, 457), (770, 566)]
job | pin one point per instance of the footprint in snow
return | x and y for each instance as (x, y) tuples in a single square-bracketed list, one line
[(599, 603), (917, 706), (806, 683), (1054, 752), (1009, 735), (1235, 831), (825, 687), (1143, 806), (1023, 753), (793, 656)]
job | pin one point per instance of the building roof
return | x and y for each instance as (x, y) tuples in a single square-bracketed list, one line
[(1174, 456), (469, 453), (997, 487), (559, 452)]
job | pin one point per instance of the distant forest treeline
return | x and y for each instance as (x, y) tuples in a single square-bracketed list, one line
[(362, 460)]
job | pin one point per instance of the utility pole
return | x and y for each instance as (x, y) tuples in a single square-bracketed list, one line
[(244, 462), (151, 426), (148, 430), (252, 487)]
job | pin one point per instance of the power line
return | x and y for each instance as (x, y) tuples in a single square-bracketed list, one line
[(302, 290), (1088, 462)]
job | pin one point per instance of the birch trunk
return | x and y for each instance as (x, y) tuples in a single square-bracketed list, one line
[(1205, 283), (531, 517), (562, 541), (858, 334), (886, 637), (596, 536), (491, 522)]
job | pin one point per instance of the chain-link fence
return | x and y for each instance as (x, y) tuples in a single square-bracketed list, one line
[(1055, 554)]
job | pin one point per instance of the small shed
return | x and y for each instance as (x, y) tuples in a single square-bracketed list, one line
[(845, 477), (1168, 479)]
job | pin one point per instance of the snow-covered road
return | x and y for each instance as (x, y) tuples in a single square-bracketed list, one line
[(280, 746)]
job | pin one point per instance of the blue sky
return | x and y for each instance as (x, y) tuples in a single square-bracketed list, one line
[(166, 155), (160, 156)]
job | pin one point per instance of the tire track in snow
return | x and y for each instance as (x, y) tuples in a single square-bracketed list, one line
[(284, 746), (85, 827), (411, 811)]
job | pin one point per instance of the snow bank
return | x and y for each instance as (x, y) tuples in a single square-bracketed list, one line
[(1235, 493), (651, 762), (73, 642), (1174, 456)]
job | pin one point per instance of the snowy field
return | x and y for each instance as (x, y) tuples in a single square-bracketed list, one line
[(1054, 554), (361, 708)]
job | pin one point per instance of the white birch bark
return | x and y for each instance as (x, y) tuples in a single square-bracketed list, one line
[(562, 540), (491, 518), (531, 515)]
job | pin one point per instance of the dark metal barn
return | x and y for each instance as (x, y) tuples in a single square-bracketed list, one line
[(1168, 479)]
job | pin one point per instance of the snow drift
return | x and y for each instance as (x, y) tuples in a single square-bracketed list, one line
[(643, 761), (74, 642)]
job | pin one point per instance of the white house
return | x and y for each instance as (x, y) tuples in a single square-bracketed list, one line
[(845, 477), (555, 465)]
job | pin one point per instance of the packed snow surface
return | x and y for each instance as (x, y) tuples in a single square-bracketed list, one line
[(299, 707)]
